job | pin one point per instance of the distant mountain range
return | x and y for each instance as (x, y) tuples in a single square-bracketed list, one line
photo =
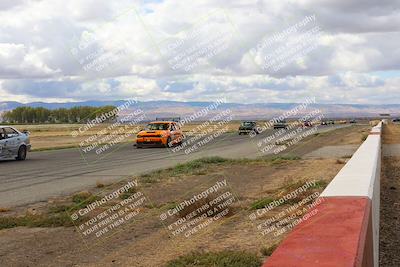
[(163, 108)]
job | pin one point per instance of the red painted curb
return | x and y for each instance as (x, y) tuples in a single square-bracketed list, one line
[(339, 234)]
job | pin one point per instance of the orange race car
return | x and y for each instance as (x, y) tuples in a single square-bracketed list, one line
[(160, 133)]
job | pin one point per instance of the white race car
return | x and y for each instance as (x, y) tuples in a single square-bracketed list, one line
[(13, 143)]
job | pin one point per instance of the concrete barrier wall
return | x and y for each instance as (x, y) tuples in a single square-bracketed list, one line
[(345, 228)]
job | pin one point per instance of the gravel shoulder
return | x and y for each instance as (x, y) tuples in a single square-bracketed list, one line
[(390, 200)]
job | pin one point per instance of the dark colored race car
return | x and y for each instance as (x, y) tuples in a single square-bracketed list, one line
[(281, 124), (247, 127), (327, 122)]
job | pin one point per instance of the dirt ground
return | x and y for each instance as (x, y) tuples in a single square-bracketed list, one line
[(390, 202), (147, 242)]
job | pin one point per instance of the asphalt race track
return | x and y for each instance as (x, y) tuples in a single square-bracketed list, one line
[(52, 173)]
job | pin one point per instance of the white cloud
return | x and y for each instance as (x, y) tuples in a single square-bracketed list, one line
[(37, 37), (18, 60)]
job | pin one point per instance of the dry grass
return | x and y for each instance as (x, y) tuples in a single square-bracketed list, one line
[(4, 209), (340, 161), (374, 122), (391, 134), (99, 184), (357, 136), (267, 251), (217, 259), (288, 187), (57, 136)]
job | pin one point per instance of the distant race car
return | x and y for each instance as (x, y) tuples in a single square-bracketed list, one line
[(353, 121), (13, 143), (396, 120), (160, 133), (247, 127), (307, 124), (280, 124), (327, 122)]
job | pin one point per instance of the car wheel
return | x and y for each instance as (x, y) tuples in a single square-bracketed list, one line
[(21, 153), (181, 141), (168, 144), (138, 146)]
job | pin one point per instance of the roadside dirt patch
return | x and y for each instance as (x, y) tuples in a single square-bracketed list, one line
[(389, 241), (345, 151), (352, 135)]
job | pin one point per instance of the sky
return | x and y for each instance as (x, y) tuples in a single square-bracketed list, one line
[(260, 51)]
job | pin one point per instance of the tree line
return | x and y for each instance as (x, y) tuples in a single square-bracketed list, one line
[(61, 115)]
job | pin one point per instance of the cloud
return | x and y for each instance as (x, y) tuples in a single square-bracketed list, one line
[(18, 60), (6, 5), (87, 49)]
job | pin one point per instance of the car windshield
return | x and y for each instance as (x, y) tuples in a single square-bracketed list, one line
[(157, 126), (248, 123)]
